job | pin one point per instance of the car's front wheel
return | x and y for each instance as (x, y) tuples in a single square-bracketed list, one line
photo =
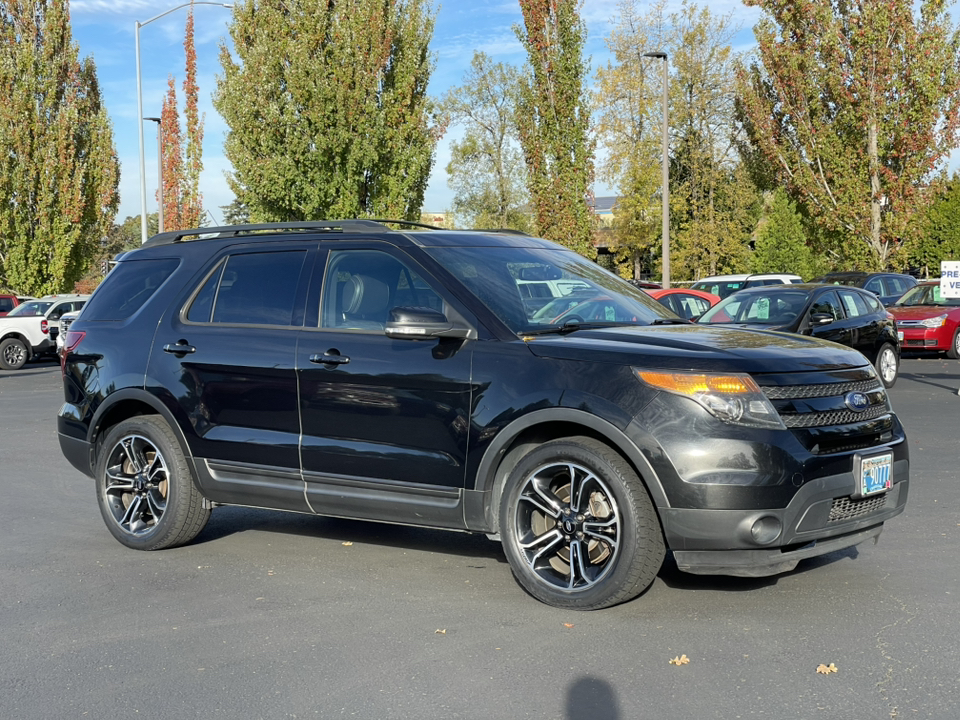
[(578, 527), (888, 365), (954, 352), (13, 354), (144, 486)]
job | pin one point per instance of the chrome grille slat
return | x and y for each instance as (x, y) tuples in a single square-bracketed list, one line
[(799, 392), (834, 417)]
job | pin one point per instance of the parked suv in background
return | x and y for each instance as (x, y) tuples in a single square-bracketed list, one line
[(889, 287), (25, 331), (347, 369), (723, 285)]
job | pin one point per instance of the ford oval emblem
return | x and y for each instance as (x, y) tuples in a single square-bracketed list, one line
[(857, 401)]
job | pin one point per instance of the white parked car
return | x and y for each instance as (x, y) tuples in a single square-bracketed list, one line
[(30, 329)]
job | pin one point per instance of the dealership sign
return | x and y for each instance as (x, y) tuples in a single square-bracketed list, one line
[(950, 278)]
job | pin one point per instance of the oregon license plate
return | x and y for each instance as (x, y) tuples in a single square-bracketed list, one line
[(875, 474)]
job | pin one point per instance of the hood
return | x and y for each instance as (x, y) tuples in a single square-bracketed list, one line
[(698, 347), (921, 312)]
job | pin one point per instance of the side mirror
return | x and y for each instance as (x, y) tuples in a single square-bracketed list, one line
[(419, 323), (821, 319)]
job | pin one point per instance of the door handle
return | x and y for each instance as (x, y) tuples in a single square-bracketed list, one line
[(330, 357), (181, 348)]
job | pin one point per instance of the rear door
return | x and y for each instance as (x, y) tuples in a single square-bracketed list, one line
[(228, 347)]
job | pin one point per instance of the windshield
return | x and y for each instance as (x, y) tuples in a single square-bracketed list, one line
[(30, 309), (538, 289), (926, 295), (757, 308), (720, 288)]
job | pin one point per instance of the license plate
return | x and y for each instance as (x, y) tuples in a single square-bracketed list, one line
[(900, 335), (875, 474)]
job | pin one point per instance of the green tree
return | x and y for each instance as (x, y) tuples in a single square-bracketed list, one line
[(236, 213), (855, 105), (939, 238), (486, 167), (781, 242), (58, 166), (553, 120), (327, 108)]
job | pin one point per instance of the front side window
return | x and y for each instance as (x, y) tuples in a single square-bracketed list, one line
[(360, 288), (826, 304)]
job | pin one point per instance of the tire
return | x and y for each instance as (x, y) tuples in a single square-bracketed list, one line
[(144, 486), (13, 354), (954, 352), (613, 530), (888, 365)]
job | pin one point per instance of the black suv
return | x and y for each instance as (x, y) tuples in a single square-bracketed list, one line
[(353, 370), (889, 287)]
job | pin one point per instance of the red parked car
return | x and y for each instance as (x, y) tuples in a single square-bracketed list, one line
[(928, 321), (9, 302), (685, 302)]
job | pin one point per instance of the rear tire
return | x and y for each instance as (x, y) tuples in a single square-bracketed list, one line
[(144, 486), (13, 354), (578, 527), (888, 365)]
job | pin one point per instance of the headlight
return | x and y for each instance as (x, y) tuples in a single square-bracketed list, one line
[(934, 322), (735, 399)]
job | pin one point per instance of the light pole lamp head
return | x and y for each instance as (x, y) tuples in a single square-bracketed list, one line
[(656, 54), (156, 120)]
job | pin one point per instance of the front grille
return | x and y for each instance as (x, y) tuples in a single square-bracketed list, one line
[(65, 324), (835, 417), (848, 509), (798, 392)]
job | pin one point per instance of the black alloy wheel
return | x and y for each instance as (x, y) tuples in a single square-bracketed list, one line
[(578, 526), (144, 487)]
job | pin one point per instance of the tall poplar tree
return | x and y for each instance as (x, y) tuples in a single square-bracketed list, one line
[(171, 157), (58, 166), (553, 119), (855, 105), (328, 109)]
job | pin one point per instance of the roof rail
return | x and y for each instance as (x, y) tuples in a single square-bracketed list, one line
[(306, 226)]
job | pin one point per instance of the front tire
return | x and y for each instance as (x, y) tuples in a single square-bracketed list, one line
[(888, 365), (144, 487), (13, 354), (954, 352), (578, 527)]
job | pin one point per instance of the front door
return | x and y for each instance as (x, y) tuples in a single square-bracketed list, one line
[(385, 421)]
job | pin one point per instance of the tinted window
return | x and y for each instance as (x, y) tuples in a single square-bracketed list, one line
[(201, 309), (827, 304), (874, 286), (259, 288), (6, 304), (31, 309), (127, 287)]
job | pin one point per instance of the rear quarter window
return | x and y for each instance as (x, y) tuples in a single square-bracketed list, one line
[(128, 287)]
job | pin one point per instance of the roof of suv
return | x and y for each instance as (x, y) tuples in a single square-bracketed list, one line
[(751, 276)]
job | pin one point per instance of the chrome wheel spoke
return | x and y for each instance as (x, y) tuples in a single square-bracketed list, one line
[(552, 540), (579, 577), (132, 514), (579, 479), (156, 503), (136, 460)]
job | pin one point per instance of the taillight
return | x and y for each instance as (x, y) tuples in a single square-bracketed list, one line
[(44, 326), (70, 343)]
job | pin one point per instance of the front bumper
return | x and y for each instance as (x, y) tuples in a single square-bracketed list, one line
[(928, 339), (821, 518)]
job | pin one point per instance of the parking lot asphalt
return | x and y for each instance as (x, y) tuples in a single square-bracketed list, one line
[(276, 615)]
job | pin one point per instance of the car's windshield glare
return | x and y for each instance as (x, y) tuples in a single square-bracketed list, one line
[(778, 308), (926, 295), (30, 309), (531, 289)]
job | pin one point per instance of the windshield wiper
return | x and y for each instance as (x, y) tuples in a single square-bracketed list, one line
[(570, 326), (670, 321)]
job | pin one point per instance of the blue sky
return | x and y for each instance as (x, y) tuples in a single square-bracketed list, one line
[(104, 29)]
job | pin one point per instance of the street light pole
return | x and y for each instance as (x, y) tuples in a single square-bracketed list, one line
[(159, 170), (143, 179), (665, 168)]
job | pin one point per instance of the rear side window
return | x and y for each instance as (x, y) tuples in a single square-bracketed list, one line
[(128, 286)]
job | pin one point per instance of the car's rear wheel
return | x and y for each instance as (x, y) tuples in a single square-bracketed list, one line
[(578, 527), (13, 354), (888, 365), (954, 352), (144, 487)]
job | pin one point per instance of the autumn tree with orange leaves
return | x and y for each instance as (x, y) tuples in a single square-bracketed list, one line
[(182, 155), (855, 106)]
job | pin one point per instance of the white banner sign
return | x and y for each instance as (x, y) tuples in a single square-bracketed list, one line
[(950, 278)]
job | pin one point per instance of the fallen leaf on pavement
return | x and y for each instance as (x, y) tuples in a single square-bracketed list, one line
[(826, 669), (681, 660)]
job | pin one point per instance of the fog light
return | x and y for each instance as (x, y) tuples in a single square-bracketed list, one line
[(765, 530)]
